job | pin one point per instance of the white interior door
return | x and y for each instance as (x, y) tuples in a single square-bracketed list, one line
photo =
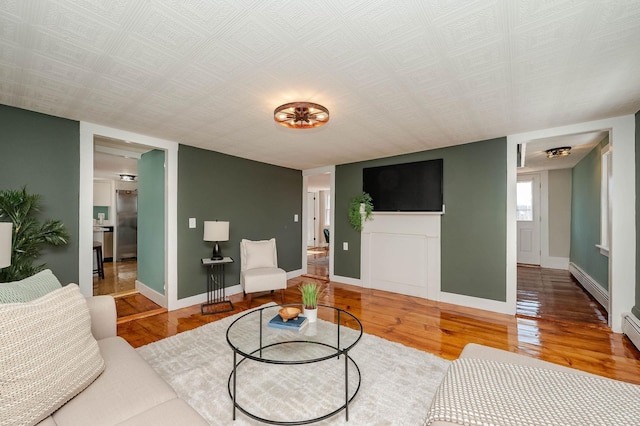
[(528, 217), (311, 219)]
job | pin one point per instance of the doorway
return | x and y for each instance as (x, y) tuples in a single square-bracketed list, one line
[(118, 169), (550, 228), (166, 295), (318, 223), (115, 174)]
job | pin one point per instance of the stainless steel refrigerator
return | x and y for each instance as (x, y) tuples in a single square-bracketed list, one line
[(127, 226)]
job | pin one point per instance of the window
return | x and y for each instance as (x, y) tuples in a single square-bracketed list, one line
[(524, 201), (605, 193), (327, 209)]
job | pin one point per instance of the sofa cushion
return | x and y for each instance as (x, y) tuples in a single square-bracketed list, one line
[(29, 289), (127, 387), (48, 355), (173, 412)]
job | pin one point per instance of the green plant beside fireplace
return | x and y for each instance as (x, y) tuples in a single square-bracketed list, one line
[(356, 217)]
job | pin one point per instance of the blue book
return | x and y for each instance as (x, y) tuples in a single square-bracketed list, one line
[(292, 324)]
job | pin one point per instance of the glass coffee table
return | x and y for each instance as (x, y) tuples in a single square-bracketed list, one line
[(291, 377)]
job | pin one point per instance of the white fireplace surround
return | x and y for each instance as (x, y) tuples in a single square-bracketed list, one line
[(400, 252)]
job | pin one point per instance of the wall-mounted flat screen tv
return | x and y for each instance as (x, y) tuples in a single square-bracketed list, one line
[(407, 187)]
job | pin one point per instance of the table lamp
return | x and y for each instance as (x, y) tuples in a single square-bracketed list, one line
[(6, 229), (216, 231)]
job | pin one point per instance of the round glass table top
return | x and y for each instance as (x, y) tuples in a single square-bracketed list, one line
[(336, 331)]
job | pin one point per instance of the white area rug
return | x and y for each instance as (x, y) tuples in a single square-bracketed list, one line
[(398, 383)]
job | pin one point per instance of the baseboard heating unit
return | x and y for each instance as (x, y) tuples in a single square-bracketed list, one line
[(592, 286), (631, 327)]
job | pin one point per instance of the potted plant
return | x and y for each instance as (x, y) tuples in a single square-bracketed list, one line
[(311, 292), (21, 208), (360, 209)]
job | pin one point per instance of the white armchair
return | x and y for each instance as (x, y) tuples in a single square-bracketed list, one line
[(259, 268)]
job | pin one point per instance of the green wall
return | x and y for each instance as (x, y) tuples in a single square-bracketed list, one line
[(585, 216), (101, 209), (473, 228), (636, 308), (151, 220), (259, 200), (43, 153)]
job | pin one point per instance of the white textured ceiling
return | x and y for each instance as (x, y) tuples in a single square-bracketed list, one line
[(397, 76)]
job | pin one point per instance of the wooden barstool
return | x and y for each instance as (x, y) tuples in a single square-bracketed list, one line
[(97, 247)]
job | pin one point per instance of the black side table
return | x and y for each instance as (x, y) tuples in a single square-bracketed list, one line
[(216, 298)]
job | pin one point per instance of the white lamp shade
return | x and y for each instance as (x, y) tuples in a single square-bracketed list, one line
[(5, 243), (216, 231)]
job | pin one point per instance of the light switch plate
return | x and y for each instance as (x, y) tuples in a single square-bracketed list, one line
[(192, 222), (295, 217), (345, 246)]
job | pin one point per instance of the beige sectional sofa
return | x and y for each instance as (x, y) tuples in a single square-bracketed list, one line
[(63, 364), (129, 391)]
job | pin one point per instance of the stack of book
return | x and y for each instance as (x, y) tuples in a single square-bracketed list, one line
[(292, 324)]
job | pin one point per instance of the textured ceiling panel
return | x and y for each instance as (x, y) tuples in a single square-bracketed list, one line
[(398, 77)]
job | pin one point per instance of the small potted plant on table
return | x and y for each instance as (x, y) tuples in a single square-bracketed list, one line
[(311, 292)]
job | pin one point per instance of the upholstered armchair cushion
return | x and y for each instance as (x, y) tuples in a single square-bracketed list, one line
[(259, 267), (258, 254)]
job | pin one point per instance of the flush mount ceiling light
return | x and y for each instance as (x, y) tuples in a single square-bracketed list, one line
[(558, 152), (127, 177), (301, 115)]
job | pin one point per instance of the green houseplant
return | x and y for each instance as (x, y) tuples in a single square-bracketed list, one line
[(311, 292), (22, 209), (355, 216)]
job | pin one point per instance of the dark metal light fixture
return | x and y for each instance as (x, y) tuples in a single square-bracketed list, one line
[(301, 115), (558, 152), (127, 177)]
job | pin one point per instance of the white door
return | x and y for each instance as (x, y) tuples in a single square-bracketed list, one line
[(311, 219), (528, 216)]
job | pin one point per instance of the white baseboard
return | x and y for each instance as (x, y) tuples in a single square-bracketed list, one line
[(229, 291), (293, 274), (554, 262), (592, 286), (631, 327), (202, 297), (346, 280), (151, 294), (477, 303)]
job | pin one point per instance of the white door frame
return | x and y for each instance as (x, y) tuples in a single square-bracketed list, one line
[(85, 215), (305, 185), (622, 259)]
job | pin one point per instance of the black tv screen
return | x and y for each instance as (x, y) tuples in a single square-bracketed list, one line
[(408, 187)]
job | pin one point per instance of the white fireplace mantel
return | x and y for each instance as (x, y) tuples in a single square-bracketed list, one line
[(400, 252)]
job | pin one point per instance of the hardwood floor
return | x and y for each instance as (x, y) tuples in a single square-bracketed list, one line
[(318, 263), (134, 306), (120, 282), (119, 278), (554, 295), (439, 328)]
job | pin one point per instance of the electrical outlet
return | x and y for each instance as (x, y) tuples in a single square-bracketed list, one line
[(192, 222), (295, 217), (345, 246)]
